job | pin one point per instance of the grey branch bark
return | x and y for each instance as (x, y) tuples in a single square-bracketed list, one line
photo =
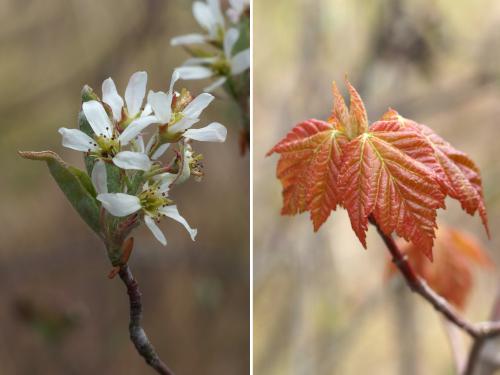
[(137, 333)]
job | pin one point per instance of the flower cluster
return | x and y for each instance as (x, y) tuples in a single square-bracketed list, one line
[(114, 144), (224, 51)]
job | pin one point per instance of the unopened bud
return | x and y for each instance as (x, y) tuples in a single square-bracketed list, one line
[(88, 94)]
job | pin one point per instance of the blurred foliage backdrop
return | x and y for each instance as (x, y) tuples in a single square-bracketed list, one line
[(321, 303), (59, 312)]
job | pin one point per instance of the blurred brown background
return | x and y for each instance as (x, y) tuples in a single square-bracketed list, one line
[(321, 304), (59, 314)]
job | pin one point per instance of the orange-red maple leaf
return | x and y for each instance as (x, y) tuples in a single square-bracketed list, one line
[(451, 273), (308, 169), (458, 174), (381, 179), (396, 170)]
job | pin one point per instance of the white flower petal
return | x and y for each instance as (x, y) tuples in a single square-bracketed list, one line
[(230, 40), (197, 105), (175, 77), (173, 213), (233, 15), (150, 223), (188, 39), (184, 174), (150, 144), (217, 83), (139, 144), (236, 9), (166, 179), (134, 94), (132, 160), (111, 97), (183, 124), (240, 62), (204, 17), (194, 72), (213, 132), (160, 151), (214, 6), (98, 118), (119, 204), (100, 177), (135, 127), (162, 105), (77, 140), (147, 110)]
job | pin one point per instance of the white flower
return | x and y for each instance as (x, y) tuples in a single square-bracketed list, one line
[(152, 201), (134, 96), (209, 17), (236, 9), (108, 137), (181, 122), (221, 67)]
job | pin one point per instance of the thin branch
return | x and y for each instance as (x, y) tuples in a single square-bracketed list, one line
[(137, 334), (474, 355), (474, 360), (478, 331)]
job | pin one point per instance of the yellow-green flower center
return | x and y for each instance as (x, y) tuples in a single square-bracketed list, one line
[(221, 67), (176, 117), (108, 147), (152, 200)]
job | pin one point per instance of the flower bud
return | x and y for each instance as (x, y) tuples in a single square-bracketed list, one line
[(88, 94)]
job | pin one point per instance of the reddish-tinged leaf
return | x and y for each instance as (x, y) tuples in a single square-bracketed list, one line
[(357, 113), (380, 179), (396, 171), (308, 169), (451, 273), (340, 113), (458, 175), (323, 194), (352, 121)]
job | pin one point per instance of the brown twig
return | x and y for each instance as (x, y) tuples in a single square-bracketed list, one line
[(480, 332), (137, 334)]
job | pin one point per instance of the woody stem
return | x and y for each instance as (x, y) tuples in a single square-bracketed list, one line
[(479, 332), (137, 333)]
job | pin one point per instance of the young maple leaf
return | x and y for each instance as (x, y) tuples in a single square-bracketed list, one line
[(395, 171), (352, 121), (451, 273), (380, 178), (309, 167), (458, 174)]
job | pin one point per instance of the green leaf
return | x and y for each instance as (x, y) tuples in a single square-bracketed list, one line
[(73, 184), (114, 178), (135, 182), (88, 94), (84, 180)]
